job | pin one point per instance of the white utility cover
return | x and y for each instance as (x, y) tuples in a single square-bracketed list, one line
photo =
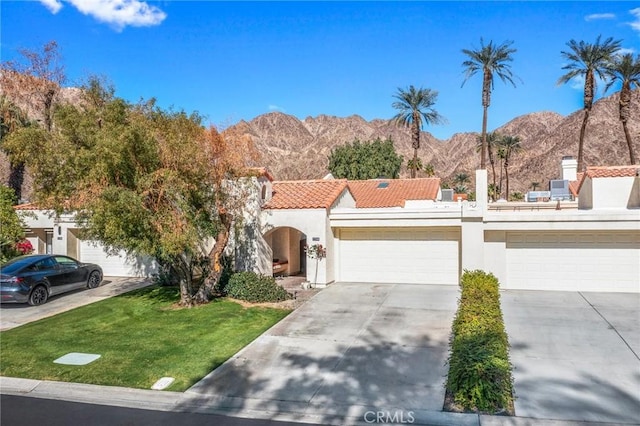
[(573, 261), (399, 255)]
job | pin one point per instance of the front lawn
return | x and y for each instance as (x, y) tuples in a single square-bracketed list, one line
[(140, 336)]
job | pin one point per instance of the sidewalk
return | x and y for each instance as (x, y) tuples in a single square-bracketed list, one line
[(183, 402)]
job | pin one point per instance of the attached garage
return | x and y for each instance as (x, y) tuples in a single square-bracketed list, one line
[(573, 261), (399, 255), (119, 265)]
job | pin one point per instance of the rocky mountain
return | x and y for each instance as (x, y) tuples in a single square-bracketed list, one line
[(299, 149)]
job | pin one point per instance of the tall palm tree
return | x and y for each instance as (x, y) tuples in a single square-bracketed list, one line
[(415, 109), (626, 70), (510, 146), (429, 170), (490, 59), (461, 178), (587, 60)]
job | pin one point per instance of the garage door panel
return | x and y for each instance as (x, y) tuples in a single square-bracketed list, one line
[(585, 261), (415, 255)]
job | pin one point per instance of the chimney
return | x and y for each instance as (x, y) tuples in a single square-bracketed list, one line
[(569, 168)]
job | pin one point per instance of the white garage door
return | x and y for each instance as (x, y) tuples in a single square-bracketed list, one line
[(575, 261), (399, 255), (115, 266)]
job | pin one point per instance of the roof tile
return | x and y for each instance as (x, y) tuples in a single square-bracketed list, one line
[(305, 194), (393, 192)]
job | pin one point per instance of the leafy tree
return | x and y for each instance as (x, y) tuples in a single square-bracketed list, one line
[(12, 118), (365, 160), (415, 108), (587, 60), (145, 180), (12, 228), (414, 164), (626, 70), (493, 191), (489, 59), (517, 196), (510, 146)]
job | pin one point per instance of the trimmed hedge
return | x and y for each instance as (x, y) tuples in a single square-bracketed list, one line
[(479, 369), (251, 287)]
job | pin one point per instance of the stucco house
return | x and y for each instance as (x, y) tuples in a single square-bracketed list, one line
[(401, 231)]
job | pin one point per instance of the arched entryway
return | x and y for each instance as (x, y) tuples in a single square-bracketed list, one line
[(287, 247)]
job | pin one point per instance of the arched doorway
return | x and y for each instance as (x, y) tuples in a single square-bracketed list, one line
[(287, 247)]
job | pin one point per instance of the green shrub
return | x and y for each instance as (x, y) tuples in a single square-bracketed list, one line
[(479, 369), (251, 287)]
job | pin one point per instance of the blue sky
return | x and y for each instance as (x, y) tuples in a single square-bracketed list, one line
[(237, 60)]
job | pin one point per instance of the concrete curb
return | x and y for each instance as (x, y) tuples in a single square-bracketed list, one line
[(246, 408)]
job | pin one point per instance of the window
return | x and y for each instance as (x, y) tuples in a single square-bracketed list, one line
[(66, 262)]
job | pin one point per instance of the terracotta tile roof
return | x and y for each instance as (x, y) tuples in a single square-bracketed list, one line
[(27, 206), (260, 171), (393, 192), (609, 172), (613, 171), (574, 185), (305, 194)]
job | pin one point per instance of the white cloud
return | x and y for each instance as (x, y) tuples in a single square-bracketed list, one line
[(595, 16), (635, 24), (54, 6), (118, 13), (276, 108), (624, 51)]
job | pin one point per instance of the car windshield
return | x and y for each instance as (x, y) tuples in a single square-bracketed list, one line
[(14, 265)]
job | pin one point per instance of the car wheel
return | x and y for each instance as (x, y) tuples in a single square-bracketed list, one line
[(94, 280), (38, 296)]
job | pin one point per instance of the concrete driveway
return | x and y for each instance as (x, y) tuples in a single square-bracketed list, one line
[(352, 348), (14, 315), (575, 354)]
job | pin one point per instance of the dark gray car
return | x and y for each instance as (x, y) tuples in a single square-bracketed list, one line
[(34, 278)]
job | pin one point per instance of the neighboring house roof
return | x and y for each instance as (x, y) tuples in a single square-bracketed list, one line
[(260, 171), (305, 194), (609, 172), (393, 192), (27, 206), (574, 185)]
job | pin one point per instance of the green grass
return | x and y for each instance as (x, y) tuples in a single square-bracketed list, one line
[(141, 337)]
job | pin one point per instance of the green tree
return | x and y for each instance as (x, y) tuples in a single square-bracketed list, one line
[(461, 178), (12, 118), (588, 61), (429, 170), (11, 227), (534, 185), (365, 160), (414, 164), (415, 108), (626, 70), (510, 145), (489, 59), (145, 180)]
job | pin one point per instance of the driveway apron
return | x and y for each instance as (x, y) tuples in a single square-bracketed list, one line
[(575, 354), (351, 349)]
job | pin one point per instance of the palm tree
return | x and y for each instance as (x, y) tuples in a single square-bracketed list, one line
[(492, 141), (416, 109), (626, 70), (534, 185), (414, 164), (429, 170), (510, 145), (588, 61), (490, 59), (461, 178), (12, 118)]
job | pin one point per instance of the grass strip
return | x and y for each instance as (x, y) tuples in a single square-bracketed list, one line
[(141, 337)]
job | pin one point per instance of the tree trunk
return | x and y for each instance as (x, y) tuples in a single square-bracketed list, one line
[(581, 140), (16, 178), (483, 150), (506, 176), (627, 135), (500, 186), (493, 163), (415, 136), (207, 289), (486, 101)]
